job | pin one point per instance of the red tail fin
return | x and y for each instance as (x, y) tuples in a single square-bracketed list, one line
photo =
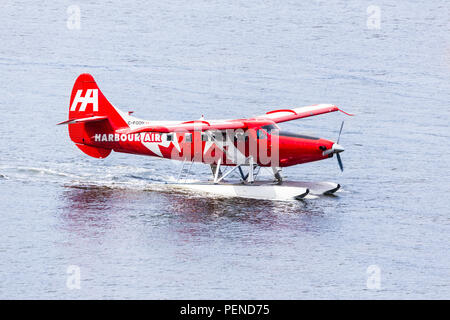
[(91, 113)]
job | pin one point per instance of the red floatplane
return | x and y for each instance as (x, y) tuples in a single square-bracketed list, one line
[(239, 146)]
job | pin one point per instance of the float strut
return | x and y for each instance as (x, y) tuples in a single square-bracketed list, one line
[(216, 174), (277, 174), (250, 178)]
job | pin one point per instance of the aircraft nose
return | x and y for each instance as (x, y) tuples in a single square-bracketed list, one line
[(337, 148)]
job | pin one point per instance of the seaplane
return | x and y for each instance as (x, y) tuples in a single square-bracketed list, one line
[(232, 148)]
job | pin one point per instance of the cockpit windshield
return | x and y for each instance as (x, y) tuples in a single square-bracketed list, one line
[(272, 129), (269, 127)]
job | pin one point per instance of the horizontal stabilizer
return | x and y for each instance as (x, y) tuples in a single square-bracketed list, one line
[(80, 120)]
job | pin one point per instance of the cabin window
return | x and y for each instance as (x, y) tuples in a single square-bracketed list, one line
[(169, 137), (220, 135), (204, 137), (240, 136), (261, 134), (188, 137)]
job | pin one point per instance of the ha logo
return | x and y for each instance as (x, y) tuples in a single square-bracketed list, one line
[(91, 97)]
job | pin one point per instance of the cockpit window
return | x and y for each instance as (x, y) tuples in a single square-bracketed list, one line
[(273, 129), (269, 127)]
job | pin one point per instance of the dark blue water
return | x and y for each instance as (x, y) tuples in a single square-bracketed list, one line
[(177, 61)]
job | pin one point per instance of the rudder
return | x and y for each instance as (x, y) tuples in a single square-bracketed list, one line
[(91, 113)]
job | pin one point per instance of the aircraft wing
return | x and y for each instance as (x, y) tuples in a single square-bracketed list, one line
[(198, 125), (283, 115), (276, 116)]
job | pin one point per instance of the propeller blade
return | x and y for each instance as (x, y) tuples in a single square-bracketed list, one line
[(340, 131), (341, 166)]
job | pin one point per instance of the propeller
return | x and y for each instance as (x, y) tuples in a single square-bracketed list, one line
[(340, 131), (336, 149), (338, 156), (341, 166)]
